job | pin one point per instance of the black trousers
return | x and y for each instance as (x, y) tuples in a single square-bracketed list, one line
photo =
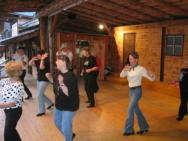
[(12, 117), (183, 104), (25, 87), (96, 84), (89, 88)]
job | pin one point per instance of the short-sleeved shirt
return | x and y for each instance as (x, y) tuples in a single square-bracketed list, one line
[(88, 63), (62, 101), (11, 92), (41, 73)]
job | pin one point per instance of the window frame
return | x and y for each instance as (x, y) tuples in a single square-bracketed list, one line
[(174, 45)]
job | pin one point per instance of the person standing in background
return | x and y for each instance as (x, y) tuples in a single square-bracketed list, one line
[(65, 50), (20, 57), (183, 83), (88, 72), (99, 63)]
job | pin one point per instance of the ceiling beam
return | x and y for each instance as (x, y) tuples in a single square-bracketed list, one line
[(96, 21), (125, 11), (58, 6), (94, 18), (99, 8), (99, 15), (169, 8), (144, 9)]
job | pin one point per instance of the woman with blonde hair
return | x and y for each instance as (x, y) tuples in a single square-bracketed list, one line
[(12, 92)]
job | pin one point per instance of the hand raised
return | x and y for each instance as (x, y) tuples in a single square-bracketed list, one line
[(127, 67)]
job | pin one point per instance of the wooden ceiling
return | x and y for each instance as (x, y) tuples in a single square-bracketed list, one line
[(22, 5), (111, 12), (128, 12)]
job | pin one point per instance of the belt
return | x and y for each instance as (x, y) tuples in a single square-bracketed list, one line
[(132, 88), (12, 109)]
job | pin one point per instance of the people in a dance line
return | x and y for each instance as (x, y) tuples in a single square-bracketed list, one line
[(65, 50), (66, 96), (183, 83), (21, 57), (134, 73), (41, 61), (12, 91), (88, 72)]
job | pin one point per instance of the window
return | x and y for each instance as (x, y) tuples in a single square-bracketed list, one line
[(174, 45)]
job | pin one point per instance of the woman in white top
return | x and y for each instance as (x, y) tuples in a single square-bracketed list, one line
[(134, 73), (12, 92)]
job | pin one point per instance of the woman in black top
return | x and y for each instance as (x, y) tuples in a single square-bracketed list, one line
[(66, 96), (89, 70), (183, 81)]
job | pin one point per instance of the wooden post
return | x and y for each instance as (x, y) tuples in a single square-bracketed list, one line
[(162, 53), (43, 23)]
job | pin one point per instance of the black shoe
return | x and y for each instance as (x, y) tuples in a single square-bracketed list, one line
[(142, 132), (28, 97), (73, 136), (128, 134), (49, 107), (90, 106), (40, 114), (179, 118)]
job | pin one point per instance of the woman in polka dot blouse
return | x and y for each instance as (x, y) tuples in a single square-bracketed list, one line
[(12, 92)]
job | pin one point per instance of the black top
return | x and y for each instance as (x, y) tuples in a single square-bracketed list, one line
[(62, 101), (41, 73), (88, 63), (184, 80)]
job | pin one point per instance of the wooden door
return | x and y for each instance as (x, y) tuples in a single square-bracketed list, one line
[(128, 46)]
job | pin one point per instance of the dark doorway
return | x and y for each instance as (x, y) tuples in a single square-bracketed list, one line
[(128, 45)]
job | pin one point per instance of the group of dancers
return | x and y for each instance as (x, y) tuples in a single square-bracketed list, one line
[(65, 88)]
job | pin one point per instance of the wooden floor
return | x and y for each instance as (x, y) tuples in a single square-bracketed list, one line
[(106, 121)]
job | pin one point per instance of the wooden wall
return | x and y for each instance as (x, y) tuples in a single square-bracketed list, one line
[(148, 45), (100, 43)]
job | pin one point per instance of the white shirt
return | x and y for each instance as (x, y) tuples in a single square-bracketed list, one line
[(135, 76), (69, 55), (11, 92), (19, 58)]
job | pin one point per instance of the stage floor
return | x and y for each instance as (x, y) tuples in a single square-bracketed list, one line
[(106, 121)]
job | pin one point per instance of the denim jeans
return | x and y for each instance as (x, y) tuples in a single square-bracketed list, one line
[(42, 99), (135, 95), (63, 121)]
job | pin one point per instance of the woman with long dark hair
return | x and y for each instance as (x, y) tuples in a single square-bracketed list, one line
[(134, 73), (66, 96)]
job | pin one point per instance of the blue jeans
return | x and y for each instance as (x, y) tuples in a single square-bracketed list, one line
[(41, 87), (63, 121), (135, 95)]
